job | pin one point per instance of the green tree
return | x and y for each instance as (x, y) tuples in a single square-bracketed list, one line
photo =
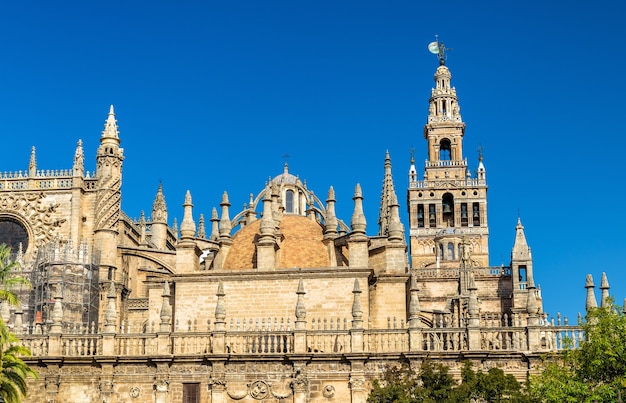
[(433, 383), (10, 276), (596, 371), (14, 372), (491, 386), (398, 385)]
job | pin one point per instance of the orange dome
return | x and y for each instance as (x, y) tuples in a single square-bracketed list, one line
[(300, 246)]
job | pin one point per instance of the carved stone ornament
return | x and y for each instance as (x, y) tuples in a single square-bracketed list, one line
[(134, 392), (300, 383), (217, 384), (357, 383), (30, 210), (259, 390), (161, 386), (328, 391)]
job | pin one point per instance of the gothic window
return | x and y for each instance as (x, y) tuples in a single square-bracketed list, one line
[(289, 201), (12, 233), (450, 255), (445, 150)]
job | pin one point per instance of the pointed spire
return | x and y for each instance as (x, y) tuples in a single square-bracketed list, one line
[(396, 229), (388, 194), (330, 224), (201, 229), (57, 314), (188, 226), (79, 160), (358, 222), (604, 286), (521, 251), (159, 208), (300, 308), (110, 316), (412, 170), (166, 309), (220, 309), (357, 311), (267, 221), (481, 167), (214, 225), (142, 228), (591, 296), (175, 228), (472, 304), (110, 132), (225, 224), (414, 304), (32, 165)]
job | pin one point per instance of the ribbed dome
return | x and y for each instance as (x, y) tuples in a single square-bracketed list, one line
[(301, 245)]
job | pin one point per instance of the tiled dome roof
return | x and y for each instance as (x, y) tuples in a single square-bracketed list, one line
[(300, 246)]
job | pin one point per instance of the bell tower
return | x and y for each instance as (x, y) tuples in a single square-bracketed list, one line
[(448, 208)]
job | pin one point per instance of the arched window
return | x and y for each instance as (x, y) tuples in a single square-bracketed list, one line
[(13, 233), (450, 251), (289, 201), (445, 150), (447, 205)]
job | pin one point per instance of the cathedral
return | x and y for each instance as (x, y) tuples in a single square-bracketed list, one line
[(281, 302)]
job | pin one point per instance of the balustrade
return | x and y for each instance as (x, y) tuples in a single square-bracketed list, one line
[(331, 336)]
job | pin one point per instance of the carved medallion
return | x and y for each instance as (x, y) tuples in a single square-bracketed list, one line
[(259, 390), (328, 391), (134, 392)]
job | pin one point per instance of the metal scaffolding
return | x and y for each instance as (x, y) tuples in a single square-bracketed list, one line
[(60, 271)]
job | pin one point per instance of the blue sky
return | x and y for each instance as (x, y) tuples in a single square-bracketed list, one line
[(210, 96)]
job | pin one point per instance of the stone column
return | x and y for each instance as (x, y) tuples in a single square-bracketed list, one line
[(299, 343), (217, 383), (473, 326), (358, 393), (300, 384), (356, 333), (415, 334)]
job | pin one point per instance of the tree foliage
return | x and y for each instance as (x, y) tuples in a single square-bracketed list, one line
[(14, 371), (10, 276), (433, 383), (595, 372)]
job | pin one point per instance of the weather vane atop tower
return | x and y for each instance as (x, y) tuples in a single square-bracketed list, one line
[(439, 49)]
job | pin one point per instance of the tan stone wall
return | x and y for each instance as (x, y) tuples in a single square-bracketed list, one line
[(268, 298), (388, 301)]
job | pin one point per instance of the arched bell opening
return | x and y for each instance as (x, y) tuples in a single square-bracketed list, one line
[(447, 204), (445, 150)]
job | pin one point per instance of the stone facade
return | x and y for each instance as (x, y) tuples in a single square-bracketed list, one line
[(283, 302)]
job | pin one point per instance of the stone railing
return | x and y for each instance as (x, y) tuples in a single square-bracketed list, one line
[(323, 336), (446, 163), (43, 179), (444, 339), (493, 271)]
